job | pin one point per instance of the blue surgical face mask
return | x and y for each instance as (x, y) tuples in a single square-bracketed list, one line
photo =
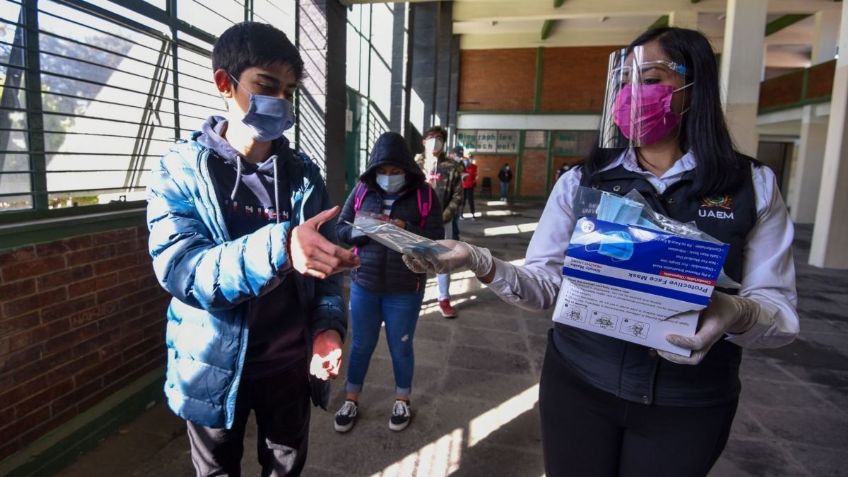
[(391, 184), (615, 245), (619, 210), (267, 116)]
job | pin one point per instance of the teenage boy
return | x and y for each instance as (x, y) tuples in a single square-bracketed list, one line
[(241, 235), (444, 175)]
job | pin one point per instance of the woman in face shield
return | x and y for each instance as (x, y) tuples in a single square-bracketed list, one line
[(611, 407)]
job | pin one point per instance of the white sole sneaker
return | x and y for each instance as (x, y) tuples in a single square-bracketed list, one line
[(404, 411), (399, 427), (343, 429)]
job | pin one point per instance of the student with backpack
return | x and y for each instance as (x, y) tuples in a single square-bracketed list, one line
[(383, 289)]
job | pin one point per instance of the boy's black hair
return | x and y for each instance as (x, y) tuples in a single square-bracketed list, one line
[(248, 44), (437, 131), (703, 129)]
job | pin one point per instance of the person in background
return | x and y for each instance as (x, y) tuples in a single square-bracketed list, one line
[(610, 407), (505, 176), (456, 155), (562, 170), (469, 183), (239, 237), (445, 176), (383, 290)]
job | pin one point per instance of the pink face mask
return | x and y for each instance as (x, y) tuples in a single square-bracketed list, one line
[(654, 119)]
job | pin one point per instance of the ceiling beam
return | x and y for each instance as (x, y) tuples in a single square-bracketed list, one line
[(503, 10), (659, 23), (546, 29), (563, 37), (778, 24), (548, 25)]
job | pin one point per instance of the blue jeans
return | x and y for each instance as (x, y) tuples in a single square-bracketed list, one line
[(368, 310), (504, 190), (443, 279)]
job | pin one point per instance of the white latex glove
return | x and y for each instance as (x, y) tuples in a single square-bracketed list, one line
[(725, 314), (326, 355), (461, 256)]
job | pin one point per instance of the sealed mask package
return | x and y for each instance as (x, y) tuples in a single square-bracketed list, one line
[(393, 237), (633, 209)]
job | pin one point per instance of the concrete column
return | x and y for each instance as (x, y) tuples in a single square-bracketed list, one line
[(741, 70), (684, 19), (806, 179), (825, 37), (322, 39), (399, 110), (443, 56), (425, 67), (830, 234), (435, 60)]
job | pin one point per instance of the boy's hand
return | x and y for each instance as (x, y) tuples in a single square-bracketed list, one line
[(313, 255), (326, 355)]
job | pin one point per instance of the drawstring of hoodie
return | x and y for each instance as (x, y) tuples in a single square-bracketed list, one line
[(238, 178), (276, 186), (276, 192)]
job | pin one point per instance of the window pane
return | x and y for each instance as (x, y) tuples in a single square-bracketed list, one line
[(14, 162)]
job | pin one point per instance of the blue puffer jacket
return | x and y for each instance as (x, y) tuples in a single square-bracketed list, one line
[(215, 280)]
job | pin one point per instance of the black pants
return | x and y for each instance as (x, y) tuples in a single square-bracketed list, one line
[(589, 432), (467, 198), (281, 405)]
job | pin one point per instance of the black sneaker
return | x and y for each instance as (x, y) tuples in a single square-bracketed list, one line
[(401, 414), (346, 416)]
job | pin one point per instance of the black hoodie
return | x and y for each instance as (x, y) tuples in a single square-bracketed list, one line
[(251, 196), (381, 269)]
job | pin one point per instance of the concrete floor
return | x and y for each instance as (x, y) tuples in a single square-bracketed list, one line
[(476, 381)]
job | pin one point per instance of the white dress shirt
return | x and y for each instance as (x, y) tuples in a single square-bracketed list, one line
[(768, 273)]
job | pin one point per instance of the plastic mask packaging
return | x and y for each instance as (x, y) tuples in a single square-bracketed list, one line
[(394, 237), (391, 183), (268, 116), (616, 245), (619, 210)]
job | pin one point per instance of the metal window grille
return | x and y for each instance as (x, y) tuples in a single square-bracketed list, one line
[(93, 92)]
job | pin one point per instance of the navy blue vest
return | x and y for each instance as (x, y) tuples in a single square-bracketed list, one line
[(635, 372)]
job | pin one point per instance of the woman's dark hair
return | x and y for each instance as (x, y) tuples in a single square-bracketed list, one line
[(248, 44), (703, 129)]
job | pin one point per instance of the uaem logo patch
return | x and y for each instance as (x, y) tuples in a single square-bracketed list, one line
[(716, 207)]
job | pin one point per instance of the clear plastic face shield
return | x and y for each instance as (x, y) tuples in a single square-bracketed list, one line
[(638, 101)]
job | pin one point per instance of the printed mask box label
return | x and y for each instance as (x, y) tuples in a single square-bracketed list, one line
[(636, 284)]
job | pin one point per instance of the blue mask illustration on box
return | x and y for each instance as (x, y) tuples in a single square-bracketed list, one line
[(616, 245), (618, 210), (267, 116)]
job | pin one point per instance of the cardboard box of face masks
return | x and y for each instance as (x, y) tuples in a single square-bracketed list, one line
[(636, 284)]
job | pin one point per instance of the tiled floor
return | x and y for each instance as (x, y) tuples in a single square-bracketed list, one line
[(475, 391)]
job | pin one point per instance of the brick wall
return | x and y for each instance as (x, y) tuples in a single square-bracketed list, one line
[(79, 319), (573, 79), (488, 165), (821, 80), (497, 80), (785, 89), (534, 165)]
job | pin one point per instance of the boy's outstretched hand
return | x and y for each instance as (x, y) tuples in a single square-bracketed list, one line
[(326, 355), (313, 255)]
